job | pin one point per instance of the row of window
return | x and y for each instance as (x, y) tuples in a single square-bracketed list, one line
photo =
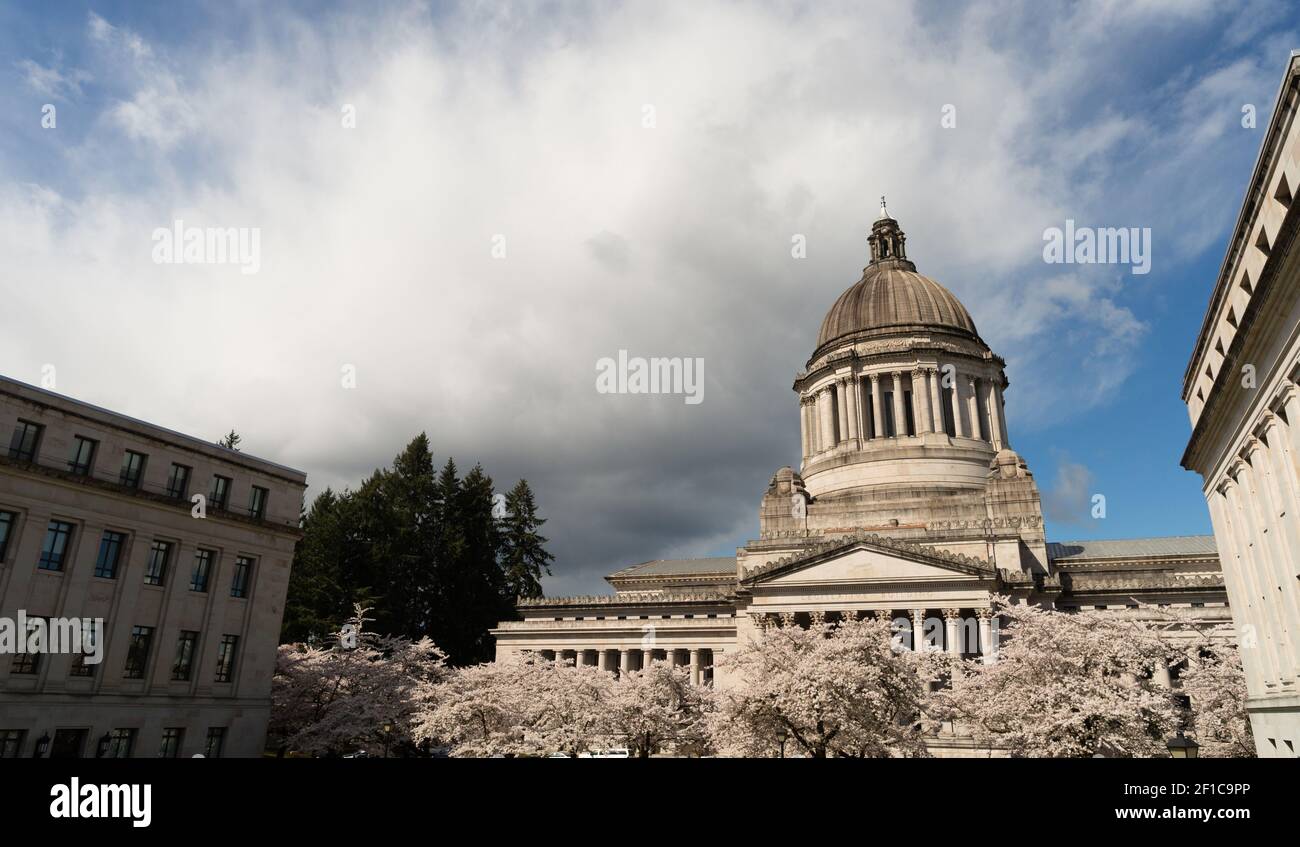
[(116, 743), (137, 657), (58, 538), (24, 444)]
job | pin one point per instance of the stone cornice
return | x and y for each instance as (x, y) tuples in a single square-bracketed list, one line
[(909, 549), (626, 598)]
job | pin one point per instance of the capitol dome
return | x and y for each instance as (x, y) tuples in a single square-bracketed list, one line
[(891, 297)]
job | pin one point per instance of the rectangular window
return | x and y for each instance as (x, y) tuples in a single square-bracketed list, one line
[(132, 469), (82, 460), (910, 423), (28, 664), (80, 668), (55, 548), (202, 568), (184, 655), (887, 413), (7, 521), (226, 658), (216, 740), (120, 744), (26, 439), (110, 554), (137, 654), (257, 502), (243, 574), (155, 572), (220, 495), (11, 742), (178, 482), (171, 742)]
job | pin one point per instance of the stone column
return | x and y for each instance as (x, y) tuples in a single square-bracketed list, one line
[(900, 422), (1252, 570), (647, 656), (625, 660), (956, 407), (803, 427), (864, 422), (921, 401), (697, 666), (1245, 616), (988, 650), (918, 629), (1267, 509), (951, 621), (999, 420), (827, 404), (851, 406), (936, 401), (877, 415), (973, 407), (841, 414)]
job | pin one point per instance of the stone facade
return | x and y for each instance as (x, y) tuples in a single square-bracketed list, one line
[(1241, 391), (909, 504), (96, 522)]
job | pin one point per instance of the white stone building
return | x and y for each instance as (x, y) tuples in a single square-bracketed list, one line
[(909, 503), (97, 521), (1242, 396)]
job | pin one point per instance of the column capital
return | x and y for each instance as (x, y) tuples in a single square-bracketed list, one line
[(917, 615), (984, 614), (874, 377), (884, 614), (951, 614), (918, 371), (1286, 393)]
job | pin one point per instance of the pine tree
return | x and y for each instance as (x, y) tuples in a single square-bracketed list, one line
[(524, 558)]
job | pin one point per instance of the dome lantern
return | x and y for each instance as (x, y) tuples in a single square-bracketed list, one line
[(888, 241)]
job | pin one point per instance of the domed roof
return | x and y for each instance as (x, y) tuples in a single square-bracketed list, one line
[(891, 294)]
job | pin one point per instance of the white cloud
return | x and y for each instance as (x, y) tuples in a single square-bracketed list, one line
[(673, 240)]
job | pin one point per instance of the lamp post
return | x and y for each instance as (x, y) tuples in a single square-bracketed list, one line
[(42, 745), (1182, 747), (105, 742), (388, 730)]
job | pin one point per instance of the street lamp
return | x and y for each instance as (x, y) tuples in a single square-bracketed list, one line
[(1182, 747), (101, 749), (42, 745), (388, 731)]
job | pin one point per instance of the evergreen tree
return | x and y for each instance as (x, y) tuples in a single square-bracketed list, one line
[(524, 558)]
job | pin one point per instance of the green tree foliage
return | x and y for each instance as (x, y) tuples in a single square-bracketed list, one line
[(424, 549)]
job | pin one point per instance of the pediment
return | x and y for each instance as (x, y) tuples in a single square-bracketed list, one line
[(870, 559)]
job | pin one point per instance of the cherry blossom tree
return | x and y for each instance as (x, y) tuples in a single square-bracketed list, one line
[(1066, 685), (523, 706), (364, 691), (659, 710), (833, 689), (1216, 686)]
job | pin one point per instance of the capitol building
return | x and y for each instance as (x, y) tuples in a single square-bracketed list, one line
[(909, 503)]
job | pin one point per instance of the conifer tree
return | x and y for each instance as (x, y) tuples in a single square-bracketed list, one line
[(524, 558)]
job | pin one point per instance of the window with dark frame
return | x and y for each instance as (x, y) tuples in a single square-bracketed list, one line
[(257, 502), (110, 554), (184, 664), (132, 469), (80, 668), (82, 460), (26, 439), (243, 574), (202, 570), (178, 482), (215, 742), (219, 497), (11, 742), (155, 572), (171, 742), (137, 653), (28, 664), (55, 547), (226, 658), (7, 521), (120, 744), (89, 635)]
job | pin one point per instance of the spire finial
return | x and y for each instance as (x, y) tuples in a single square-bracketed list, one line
[(884, 213)]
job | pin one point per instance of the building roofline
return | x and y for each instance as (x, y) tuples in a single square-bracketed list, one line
[(1222, 284), (99, 414)]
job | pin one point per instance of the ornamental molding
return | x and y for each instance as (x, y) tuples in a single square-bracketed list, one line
[(625, 598), (957, 561)]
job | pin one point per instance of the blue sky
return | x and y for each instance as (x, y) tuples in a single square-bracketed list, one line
[(528, 121)]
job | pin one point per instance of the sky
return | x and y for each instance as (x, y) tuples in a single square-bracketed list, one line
[(462, 208)]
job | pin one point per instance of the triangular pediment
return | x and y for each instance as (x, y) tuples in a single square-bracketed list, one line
[(870, 559)]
